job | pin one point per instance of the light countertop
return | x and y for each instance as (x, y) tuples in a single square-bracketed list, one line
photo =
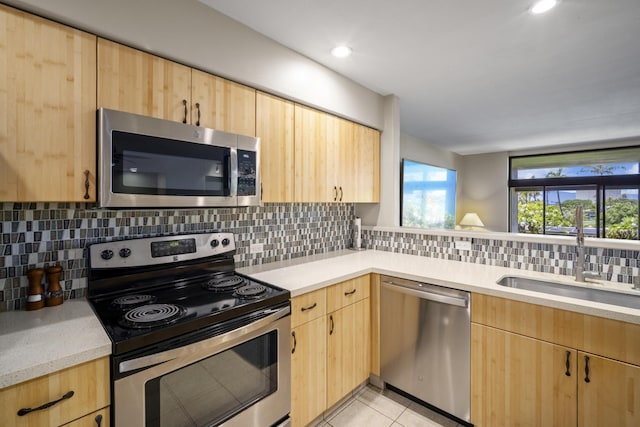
[(39, 342), (306, 274), (36, 343)]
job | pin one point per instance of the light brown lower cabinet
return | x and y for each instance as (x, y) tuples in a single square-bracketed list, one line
[(520, 380), (308, 371), (347, 350), (611, 396), (89, 383), (329, 350)]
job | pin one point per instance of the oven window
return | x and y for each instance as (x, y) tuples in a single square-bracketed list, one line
[(158, 166), (212, 390)]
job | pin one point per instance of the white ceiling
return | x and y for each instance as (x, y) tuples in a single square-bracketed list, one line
[(476, 76)]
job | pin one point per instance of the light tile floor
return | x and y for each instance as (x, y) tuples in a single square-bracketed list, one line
[(371, 407)]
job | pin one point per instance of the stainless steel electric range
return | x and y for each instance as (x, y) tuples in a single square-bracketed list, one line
[(194, 343)]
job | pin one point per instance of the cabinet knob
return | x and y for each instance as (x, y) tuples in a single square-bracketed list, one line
[(99, 420)]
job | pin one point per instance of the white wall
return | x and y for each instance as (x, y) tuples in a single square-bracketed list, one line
[(484, 189), (191, 33)]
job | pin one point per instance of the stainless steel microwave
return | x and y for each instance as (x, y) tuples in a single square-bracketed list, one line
[(148, 162)]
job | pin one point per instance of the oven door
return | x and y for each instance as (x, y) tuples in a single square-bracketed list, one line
[(238, 378)]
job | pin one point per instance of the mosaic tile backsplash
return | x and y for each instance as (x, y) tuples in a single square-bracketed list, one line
[(43, 234), (614, 264)]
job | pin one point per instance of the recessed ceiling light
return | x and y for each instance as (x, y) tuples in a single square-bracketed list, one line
[(341, 51), (543, 6)]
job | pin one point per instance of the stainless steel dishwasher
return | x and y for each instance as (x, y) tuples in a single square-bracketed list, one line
[(425, 343)]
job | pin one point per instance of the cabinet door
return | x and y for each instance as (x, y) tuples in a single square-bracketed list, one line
[(274, 127), (47, 110), (311, 157), (308, 371), (223, 104), (611, 397), (366, 165), (520, 381), (347, 350), (137, 82)]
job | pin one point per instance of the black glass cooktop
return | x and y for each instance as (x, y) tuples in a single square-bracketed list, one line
[(151, 314)]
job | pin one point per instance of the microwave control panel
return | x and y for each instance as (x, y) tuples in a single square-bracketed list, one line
[(247, 167)]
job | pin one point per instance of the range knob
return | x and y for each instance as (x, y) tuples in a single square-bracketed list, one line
[(215, 243), (125, 252), (225, 241), (106, 254)]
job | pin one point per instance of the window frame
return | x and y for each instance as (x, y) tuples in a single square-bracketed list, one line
[(602, 183)]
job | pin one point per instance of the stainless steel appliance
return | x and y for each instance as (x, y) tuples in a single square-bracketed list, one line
[(148, 162), (194, 343), (425, 342)]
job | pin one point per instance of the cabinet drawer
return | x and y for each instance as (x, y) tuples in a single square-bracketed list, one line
[(347, 292), (605, 337), (308, 307), (97, 419), (88, 381)]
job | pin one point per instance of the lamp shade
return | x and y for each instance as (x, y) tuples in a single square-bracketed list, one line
[(471, 219)]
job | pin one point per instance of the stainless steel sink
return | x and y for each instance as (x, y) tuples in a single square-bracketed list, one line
[(564, 290)]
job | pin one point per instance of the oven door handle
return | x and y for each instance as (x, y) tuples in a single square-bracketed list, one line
[(166, 356)]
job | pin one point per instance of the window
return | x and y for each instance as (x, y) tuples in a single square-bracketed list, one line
[(428, 196), (546, 189)]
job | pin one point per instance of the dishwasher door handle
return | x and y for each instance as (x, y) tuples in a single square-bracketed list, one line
[(427, 294)]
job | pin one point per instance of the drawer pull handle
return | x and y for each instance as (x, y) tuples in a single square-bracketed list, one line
[(340, 193), (295, 342), (586, 369), (25, 411), (346, 294), (567, 364), (98, 420), (198, 111), (335, 193), (311, 307), (331, 328)]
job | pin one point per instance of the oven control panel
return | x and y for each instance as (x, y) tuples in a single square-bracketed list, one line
[(160, 250)]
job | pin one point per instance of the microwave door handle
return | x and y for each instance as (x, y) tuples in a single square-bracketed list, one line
[(232, 168), (166, 356)]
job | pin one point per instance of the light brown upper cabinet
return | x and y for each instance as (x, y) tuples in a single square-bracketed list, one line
[(311, 181), (335, 160), (47, 110), (222, 104), (274, 126), (366, 165), (137, 82)]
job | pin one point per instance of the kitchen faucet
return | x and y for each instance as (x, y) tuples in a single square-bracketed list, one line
[(581, 274)]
